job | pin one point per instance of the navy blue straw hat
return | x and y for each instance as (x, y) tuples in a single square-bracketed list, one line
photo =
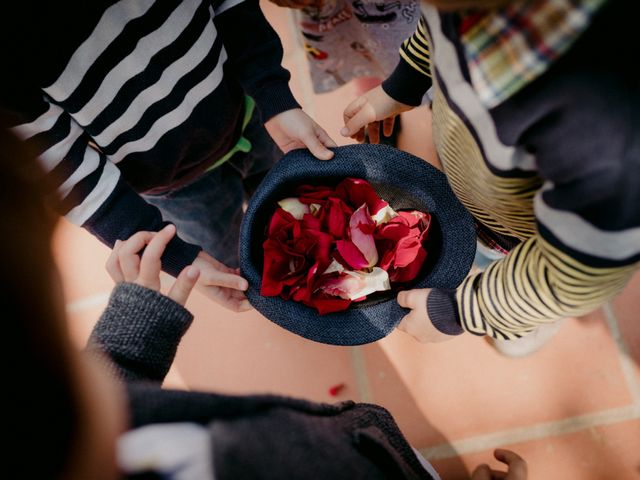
[(403, 180)]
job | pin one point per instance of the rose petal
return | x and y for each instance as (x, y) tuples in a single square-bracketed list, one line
[(334, 267), (411, 271), (310, 222), (406, 251), (310, 194), (280, 220), (361, 228), (280, 268), (325, 304), (357, 191), (336, 217), (384, 215), (354, 285), (351, 255), (416, 218), (295, 207)]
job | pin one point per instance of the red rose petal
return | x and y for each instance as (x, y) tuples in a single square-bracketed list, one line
[(333, 391), (351, 254), (357, 191)]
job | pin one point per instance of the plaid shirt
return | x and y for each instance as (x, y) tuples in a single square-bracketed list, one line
[(508, 48)]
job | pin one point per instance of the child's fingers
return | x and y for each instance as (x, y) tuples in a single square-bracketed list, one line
[(113, 264), (316, 147), (184, 284), (409, 298), (221, 279), (324, 137), (387, 126), (517, 465), (482, 472), (128, 254), (374, 132), (150, 265), (356, 116), (361, 118)]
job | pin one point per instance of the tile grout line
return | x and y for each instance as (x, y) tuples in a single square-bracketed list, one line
[(360, 372), (626, 363), (565, 426), (85, 303)]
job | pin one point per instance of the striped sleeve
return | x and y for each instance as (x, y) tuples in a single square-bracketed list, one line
[(90, 191), (415, 50), (255, 56), (585, 248), (411, 78), (535, 284)]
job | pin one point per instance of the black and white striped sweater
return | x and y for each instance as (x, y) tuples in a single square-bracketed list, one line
[(120, 98)]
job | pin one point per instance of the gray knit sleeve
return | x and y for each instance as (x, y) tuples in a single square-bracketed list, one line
[(140, 331)]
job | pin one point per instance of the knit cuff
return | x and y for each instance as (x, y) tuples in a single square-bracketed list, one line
[(406, 84), (140, 331), (443, 311), (274, 98)]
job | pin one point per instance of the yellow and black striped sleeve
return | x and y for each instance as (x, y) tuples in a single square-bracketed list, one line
[(415, 50), (535, 284), (412, 76)]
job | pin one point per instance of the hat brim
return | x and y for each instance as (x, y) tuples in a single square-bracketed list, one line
[(406, 182)]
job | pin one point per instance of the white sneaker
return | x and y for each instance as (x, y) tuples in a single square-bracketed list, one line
[(522, 347)]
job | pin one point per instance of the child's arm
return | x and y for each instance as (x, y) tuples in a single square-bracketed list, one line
[(94, 195), (140, 329), (583, 130), (91, 189), (254, 58), (399, 93), (411, 78)]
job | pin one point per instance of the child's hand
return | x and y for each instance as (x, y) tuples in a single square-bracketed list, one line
[(222, 284), (126, 265), (295, 129), (367, 111), (417, 323), (517, 468)]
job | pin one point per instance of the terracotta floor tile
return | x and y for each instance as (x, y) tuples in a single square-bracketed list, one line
[(80, 258), (328, 109), (388, 389), (242, 353), (465, 388), (600, 453), (627, 309)]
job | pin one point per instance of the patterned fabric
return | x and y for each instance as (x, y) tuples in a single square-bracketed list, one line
[(120, 102), (170, 451), (415, 50), (348, 39), (507, 50), (556, 285), (526, 170)]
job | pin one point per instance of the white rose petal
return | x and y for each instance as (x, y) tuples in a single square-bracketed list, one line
[(295, 207), (384, 215), (334, 266)]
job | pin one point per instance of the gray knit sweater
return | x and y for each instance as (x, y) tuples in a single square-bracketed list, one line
[(253, 437)]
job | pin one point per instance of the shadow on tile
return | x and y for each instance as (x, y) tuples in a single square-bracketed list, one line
[(388, 389)]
